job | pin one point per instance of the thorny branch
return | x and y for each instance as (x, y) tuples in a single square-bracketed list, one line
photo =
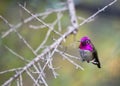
[(34, 66)]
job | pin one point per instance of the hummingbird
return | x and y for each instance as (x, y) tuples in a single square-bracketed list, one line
[(88, 52)]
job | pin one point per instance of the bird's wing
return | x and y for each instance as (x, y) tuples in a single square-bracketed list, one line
[(95, 55)]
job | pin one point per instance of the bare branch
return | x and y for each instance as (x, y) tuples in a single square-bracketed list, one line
[(10, 70), (95, 14), (47, 54), (72, 12), (6, 22), (51, 28), (30, 19), (22, 58), (71, 61)]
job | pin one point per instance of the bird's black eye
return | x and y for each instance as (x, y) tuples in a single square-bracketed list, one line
[(87, 41)]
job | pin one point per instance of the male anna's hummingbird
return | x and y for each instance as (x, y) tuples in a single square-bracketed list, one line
[(88, 52)]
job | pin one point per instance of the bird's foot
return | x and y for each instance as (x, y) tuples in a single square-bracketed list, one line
[(93, 61)]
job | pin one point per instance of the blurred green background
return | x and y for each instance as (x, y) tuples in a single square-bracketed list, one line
[(104, 32)]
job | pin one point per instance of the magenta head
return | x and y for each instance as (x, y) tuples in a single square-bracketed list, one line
[(85, 38), (85, 43)]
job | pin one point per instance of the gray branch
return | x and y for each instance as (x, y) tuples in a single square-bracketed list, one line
[(71, 29)]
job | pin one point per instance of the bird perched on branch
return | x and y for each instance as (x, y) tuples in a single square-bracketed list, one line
[(88, 52)]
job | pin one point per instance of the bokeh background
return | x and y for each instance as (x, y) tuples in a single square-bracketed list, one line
[(104, 32)]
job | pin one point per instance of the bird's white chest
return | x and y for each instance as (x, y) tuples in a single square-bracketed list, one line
[(86, 55)]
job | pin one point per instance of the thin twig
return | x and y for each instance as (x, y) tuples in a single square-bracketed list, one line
[(11, 70), (95, 14), (71, 61), (36, 59), (30, 19), (51, 28), (53, 47), (6, 22), (22, 58)]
